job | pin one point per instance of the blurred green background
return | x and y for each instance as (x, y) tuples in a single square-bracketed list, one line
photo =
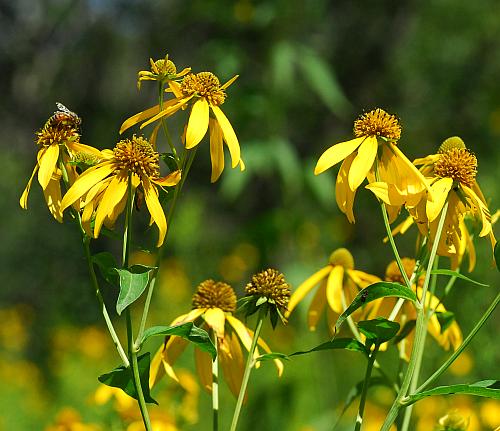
[(307, 69)]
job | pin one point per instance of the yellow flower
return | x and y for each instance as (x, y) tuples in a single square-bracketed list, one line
[(377, 133), (213, 305), (452, 173), (206, 94), (162, 70), (58, 140), (450, 337), (69, 419), (104, 186), (338, 283)]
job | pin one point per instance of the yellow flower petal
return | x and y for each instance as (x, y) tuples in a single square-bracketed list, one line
[(277, 362), (363, 162), (77, 147), (362, 279), (343, 193), (216, 319), (52, 195), (169, 108), (137, 118), (301, 291), (23, 200), (481, 210), (47, 163), (317, 306), (155, 367), (229, 136), (334, 289), (336, 153), (232, 362), (228, 83), (204, 368), (112, 196), (197, 124), (216, 150), (176, 88), (440, 190), (85, 182), (170, 180), (155, 209), (241, 330)]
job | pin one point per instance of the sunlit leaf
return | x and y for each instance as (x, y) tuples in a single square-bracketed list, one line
[(379, 330), (133, 282), (188, 331), (375, 291), (336, 343), (121, 377), (458, 275)]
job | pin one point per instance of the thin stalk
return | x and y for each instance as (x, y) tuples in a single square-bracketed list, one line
[(215, 386), (362, 401), (419, 330), (246, 374), (164, 125), (132, 351), (462, 346), (389, 233), (400, 302), (187, 161), (93, 277)]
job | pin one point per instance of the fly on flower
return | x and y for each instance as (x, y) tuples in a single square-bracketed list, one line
[(213, 304), (104, 186), (375, 155)]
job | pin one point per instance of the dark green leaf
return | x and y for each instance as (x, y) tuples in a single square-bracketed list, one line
[(106, 263), (458, 275), (484, 388), (379, 330), (375, 291), (497, 255), (121, 377), (337, 343), (445, 319), (169, 160), (271, 356), (188, 331), (405, 331), (133, 282)]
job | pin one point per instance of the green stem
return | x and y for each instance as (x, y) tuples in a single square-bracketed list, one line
[(362, 401), (187, 161), (389, 233), (93, 277), (164, 125), (132, 351), (215, 386), (419, 330), (462, 346), (246, 374)]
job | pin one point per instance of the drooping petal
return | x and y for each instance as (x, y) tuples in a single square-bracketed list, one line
[(52, 194), (77, 147), (241, 330), (481, 210), (47, 163), (155, 209), (343, 193), (137, 118), (317, 306), (204, 368), (336, 153), (23, 200), (85, 182), (216, 150), (363, 162), (301, 291), (155, 368), (176, 88), (362, 279), (232, 362), (169, 180), (169, 108), (229, 135), (440, 190), (334, 288), (216, 319), (198, 123), (115, 192)]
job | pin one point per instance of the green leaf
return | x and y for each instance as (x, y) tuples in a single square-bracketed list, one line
[(375, 291), (458, 275), (484, 388), (133, 282), (106, 263), (169, 160), (379, 330), (337, 343), (272, 356), (409, 325), (188, 331), (497, 255), (121, 377), (445, 319)]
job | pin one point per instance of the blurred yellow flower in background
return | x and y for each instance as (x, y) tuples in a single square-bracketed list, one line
[(213, 304), (68, 419), (399, 182), (104, 186), (338, 283)]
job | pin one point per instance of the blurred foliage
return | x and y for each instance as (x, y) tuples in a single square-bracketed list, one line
[(306, 70)]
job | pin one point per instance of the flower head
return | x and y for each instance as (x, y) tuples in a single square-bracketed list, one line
[(58, 142), (374, 154), (453, 421), (339, 282), (104, 186), (162, 70), (213, 306)]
